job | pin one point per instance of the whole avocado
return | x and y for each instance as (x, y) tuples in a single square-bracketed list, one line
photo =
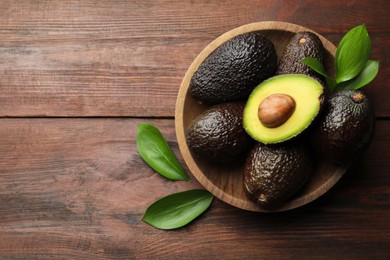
[(346, 127), (302, 45), (217, 135), (273, 173), (232, 71)]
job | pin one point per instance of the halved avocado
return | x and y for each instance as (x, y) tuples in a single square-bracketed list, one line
[(281, 107)]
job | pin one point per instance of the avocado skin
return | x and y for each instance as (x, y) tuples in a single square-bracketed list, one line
[(291, 60), (345, 129), (232, 71), (277, 171), (217, 135)]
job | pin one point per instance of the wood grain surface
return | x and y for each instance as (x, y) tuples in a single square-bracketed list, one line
[(111, 58), (77, 188), (76, 77)]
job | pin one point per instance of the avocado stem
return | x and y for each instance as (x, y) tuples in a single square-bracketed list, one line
[(357, 97), (302, 40), (262, 197)]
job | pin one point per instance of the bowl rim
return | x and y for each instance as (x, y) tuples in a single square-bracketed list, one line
[(179, 120)]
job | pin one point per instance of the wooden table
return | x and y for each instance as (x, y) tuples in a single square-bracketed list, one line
[(76, 77)]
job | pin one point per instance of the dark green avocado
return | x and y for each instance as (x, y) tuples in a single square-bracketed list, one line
[(302, 45), (217, 135), (232, 71), (273, 173), (346, 128)]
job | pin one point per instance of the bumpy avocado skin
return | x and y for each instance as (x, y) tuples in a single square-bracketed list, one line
[(273, 173), (345, 129), (217, 135), (296, 51), (232, 71)]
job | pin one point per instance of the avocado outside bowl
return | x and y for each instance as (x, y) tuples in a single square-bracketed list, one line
[(226, 181)]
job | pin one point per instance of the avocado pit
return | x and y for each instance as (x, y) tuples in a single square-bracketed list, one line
[(276, 109)]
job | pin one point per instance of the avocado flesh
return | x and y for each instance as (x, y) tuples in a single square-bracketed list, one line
[(232, 71), (302, 45), (273, 173), (307, 94), (346, 127), (217, 135)]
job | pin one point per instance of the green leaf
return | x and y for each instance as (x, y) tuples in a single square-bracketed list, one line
[(367, 75), (178, 209), (352, 53), (155, 151), (315, 65), (318, 67)]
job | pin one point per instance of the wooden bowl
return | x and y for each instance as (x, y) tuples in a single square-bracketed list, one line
[(226, 183)]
